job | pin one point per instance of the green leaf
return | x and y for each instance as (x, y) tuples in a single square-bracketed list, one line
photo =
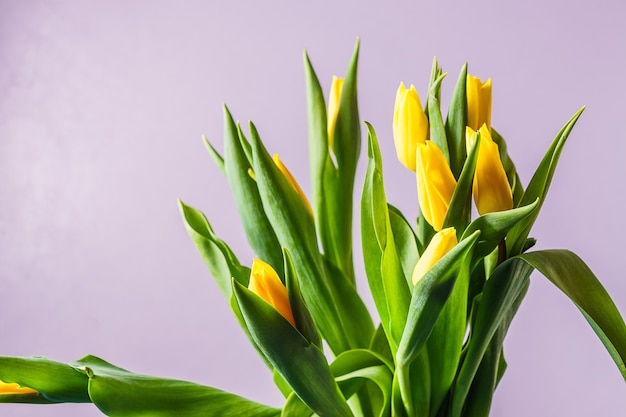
[(539, 185), (435, 120), (301, 363), (405, 241), (572, 276), (119, 393), (429, 296), (259, 231), (502, 294), (383, 267), (494, 226), (456, 122), (56, 382), (294, 407), (459, 212), (217, 158), (509, 167), (332, 180)]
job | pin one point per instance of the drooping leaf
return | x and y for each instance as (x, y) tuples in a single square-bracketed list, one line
[(572, 276), (119, 393)]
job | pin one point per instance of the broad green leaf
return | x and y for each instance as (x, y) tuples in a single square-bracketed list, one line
[(384, 271), (259, 231), (429, 296), (56, 382), (119, 393), (539, 185), (301, 363), (456, 122), (502, 294), (301, 314), (572, 276), (494, 226), (337, 309), (405, 241), (333, 170)]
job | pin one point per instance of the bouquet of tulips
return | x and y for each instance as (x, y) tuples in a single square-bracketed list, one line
[(446, 283)]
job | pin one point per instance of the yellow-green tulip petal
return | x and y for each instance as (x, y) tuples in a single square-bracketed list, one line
[(435, 183), (440, 244), (334, 98), (491, 188), (410, 125), (265, 283), (478, 102)]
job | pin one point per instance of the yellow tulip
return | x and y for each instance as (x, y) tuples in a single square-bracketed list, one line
[(439, 245), (410, 125), (293, 182), (491, 188), (334, 99), (265, 283), (435, 183), (13, 388), (478, 102)]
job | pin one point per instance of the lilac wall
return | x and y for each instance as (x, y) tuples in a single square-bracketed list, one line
[(101, 110)]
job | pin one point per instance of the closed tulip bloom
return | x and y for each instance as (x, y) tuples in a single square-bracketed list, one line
[(265, 283), (410, 125), (10, 388), (439, 245), (435, 183), (478, 102), (491, 188), (332, 111), (293, 182)]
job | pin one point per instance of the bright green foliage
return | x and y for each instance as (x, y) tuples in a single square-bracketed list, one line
[(437, 351)]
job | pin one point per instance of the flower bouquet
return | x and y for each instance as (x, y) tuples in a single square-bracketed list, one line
[(446, 280)]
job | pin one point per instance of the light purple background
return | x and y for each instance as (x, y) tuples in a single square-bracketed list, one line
[(102, 105)]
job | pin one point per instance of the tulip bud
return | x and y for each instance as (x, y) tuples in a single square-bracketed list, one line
[(491, 188), (435, 183), (439, 245), (293, 182), (13, 389), (265, 283), (478, 102), (410, 125), (334, 98)]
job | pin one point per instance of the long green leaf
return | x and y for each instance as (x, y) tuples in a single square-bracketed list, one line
[(572, 276), (539, 185), (456, 122), (56, 382), (119, 393)]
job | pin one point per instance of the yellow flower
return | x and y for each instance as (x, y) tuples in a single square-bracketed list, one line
[(435, 183), (410, 125), (491, 188), (334, 99), (265, 283), (439, 245), (13, 388), (478, 102), (293, 182)]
